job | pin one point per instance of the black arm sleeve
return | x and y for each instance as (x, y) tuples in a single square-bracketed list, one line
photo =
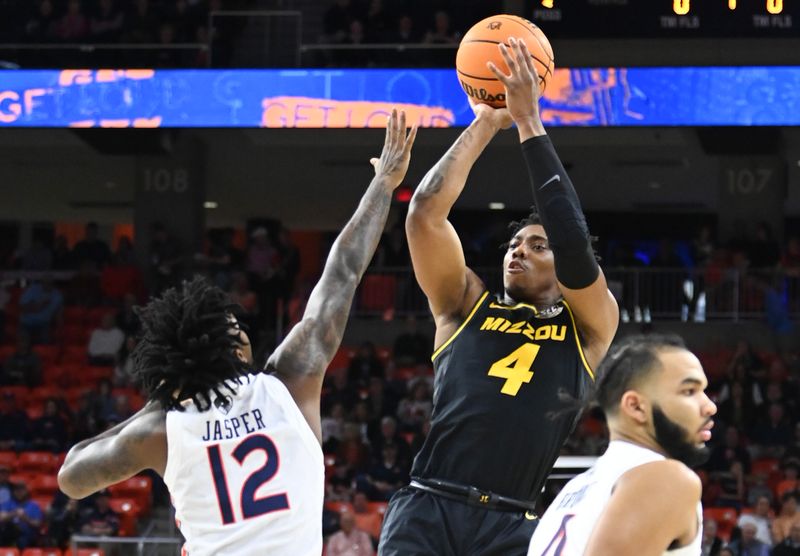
[(561, 215)]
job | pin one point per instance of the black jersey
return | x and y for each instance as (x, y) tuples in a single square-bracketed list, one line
[(496, 380)]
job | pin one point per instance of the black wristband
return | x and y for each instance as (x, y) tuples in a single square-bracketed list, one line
[(561, 214)]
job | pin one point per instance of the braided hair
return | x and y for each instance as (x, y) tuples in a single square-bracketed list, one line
[(187, 346)]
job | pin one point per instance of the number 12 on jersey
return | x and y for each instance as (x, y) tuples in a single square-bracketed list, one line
[(250, 505)]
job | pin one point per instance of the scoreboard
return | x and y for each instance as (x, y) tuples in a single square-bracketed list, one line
[(572, 19)]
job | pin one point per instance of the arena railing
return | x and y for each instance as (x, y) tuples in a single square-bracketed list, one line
[(111, 55), (378, 54), (643, 294), (127, 546)]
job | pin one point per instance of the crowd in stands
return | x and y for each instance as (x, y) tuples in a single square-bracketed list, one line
[(65, 376)]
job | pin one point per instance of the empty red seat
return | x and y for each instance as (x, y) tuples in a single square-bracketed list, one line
[(9, 459), (85, 552), (339, 506), (9, 551), (20, 392), (75, 334), (47, 353), (75, 314), (37, 462), (376, 292), (6, 351), (44, 486), (764, 465), (725, 518), (137, 488), (74, 354), (41, 394), (128, 512), (41, 552)]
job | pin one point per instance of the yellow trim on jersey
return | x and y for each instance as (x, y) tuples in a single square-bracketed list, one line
[(494, 305), (578, 340), (460, 328)]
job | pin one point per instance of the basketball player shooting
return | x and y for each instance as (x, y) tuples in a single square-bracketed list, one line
[(500, 361), (239, 450), (640, 498)]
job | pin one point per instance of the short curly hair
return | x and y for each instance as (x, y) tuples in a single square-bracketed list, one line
[(187, 346)]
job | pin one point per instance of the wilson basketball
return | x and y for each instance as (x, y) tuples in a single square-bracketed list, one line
[(479, 46)]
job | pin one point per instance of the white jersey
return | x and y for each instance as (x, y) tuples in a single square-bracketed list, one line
[(247, 475), (565, 527)]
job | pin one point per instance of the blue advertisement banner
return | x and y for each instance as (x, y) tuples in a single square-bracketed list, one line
[(690, 96)]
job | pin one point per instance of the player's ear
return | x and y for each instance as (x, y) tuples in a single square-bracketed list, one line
[(634, 406)]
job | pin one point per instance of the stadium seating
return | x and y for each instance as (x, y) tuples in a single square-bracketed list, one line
[(41, 552), (128, 511), (9, 551), (44, 485), (725, 518), (9, 459), (36, 462), (139, 489), (85, 552)]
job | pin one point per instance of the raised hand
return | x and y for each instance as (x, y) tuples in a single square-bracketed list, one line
[(396, 154), (522, 84)]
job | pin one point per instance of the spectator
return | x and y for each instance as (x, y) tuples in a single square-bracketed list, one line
[(722, 455), (390, 437), (106, 23), (788, 517), (166, 57), (367, 520), (242, 295), (731, 484), (711, 544), (40, 307), (104, 405), (127, 320), (349, 541), (73, 25), (141, 23), (442, 32), (287, 269), (748, 544), (5, 484), (105, 342), (381, 400), (416, 408), (38, 257), (365, 365), (23, 367), (20, 519), (764, 252), (49, 432), (790, 546), (759, 488), (384, 477), (165, 258), (336, 20), (332, 428), (774, 434), (702, 251), (100, 520), (124, 368), (91, 247), (412, 347), (62, 254), (5, 297), (377, 21), (261, 264), (14, 424), (405, 33), (737, 409), (62, 519), (85, 287), (41, 27), (761, 519), (123, 275)]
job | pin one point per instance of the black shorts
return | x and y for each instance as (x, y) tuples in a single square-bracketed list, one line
[(420, 523)]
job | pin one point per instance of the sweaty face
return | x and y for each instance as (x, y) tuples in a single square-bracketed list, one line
[(528, 269), (681, 410)]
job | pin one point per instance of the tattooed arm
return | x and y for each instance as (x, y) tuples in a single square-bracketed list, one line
[(436, 251), (301, 359), (116, 454)]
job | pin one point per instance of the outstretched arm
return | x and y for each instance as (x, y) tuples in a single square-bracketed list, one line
[(301, 359), (116, 454), (581, 281), (436, 251)]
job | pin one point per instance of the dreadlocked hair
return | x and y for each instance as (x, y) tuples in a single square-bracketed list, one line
[(533, 219), (623, 367), (187, 346)]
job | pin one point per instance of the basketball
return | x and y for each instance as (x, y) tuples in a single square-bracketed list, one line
[(479, 46)]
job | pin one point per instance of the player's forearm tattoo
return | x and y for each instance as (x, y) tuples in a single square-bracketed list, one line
[(434, 180)]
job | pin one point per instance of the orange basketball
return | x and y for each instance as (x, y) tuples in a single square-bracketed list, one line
[(479, 46)]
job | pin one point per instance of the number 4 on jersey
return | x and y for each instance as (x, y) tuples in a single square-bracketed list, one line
[(515, 368)]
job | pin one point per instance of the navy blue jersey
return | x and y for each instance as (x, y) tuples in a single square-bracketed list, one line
[(496, 384)]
